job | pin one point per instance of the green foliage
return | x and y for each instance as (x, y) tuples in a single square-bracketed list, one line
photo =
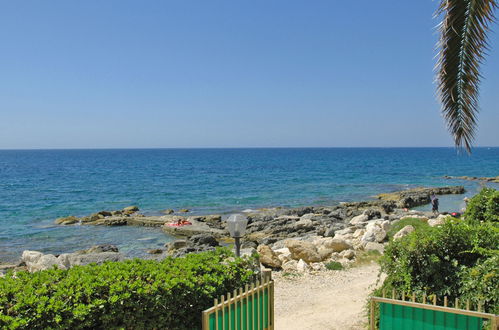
[(334, 265), (291, 275), (480, 284), (483, 207), (418, 224), (433, 260), (134, 294)]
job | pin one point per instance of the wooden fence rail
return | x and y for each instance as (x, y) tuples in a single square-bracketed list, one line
[(251, 308)]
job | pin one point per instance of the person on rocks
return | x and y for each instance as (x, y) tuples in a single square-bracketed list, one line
[(434, 203)]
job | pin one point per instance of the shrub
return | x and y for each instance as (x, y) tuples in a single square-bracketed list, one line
[(169, 294), (483, 207), (418, 224), (480, 284), (432, 260), (334, 265)]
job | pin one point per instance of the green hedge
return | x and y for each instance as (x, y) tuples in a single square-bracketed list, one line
[(483, 207), (440, 260), (134, 294)]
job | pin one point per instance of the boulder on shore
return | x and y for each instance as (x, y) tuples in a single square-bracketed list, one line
[(303, 250), (440, 220), (374, 232), (403, 232), (335, 244), (130, 209), (36, 260), (66, 220), (268, 258)]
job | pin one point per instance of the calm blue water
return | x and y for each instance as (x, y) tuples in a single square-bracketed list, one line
[(38, 186)]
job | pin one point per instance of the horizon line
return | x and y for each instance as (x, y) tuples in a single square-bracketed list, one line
[(219, 148)]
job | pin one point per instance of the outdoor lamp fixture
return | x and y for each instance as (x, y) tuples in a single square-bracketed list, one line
[(237, 227)]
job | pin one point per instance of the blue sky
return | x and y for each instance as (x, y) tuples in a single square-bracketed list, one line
[(117, 74)]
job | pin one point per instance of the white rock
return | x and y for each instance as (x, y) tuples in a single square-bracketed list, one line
[(36, 261), (302, 266), (371, 246), (359, 219), (358, 244), (440, 220), (303, 223), (336, 244), (403, 232), (358, 233), (64, 260), (268, 257), (84, 259), (303, 250), (248, 252), (345, 237), (290, 266), (284, 258), (46, 261), (284, 252), (31, 256), (279, 245), (444, 217), (345, 262), (385, 225), (318, 266), (374, 233), (325, 252), (347, 230), (415, 216), (347, 254)]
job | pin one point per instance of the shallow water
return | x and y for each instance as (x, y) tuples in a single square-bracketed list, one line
[(38, 186)]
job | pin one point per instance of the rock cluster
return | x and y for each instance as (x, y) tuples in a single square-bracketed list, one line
[(35, 260), (290, 239), (474, 178), (194, 244), (294, 240), (419, 196), (110, 218)]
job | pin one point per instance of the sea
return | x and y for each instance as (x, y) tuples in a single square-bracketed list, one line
[(38, 186)]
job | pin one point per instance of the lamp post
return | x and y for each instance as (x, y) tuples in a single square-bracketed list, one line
[(237, 227)]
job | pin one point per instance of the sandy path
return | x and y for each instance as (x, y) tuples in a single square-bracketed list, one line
[(328, 300)]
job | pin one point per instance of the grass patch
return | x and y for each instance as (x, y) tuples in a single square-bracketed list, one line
[(290, 274), (418, 224), (334, 265), (366, 257)]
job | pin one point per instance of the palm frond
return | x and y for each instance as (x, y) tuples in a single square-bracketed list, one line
[(462, 47)]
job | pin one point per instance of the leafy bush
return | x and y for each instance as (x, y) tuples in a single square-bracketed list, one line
[(433, 260), (484, 206), (480, 284), (418, 224), (334, 265), (134, 294)]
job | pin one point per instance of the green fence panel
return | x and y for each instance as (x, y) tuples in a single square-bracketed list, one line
[(400, 317), (248, 313)]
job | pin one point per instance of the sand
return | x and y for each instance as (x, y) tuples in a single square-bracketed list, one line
[(326, 300)]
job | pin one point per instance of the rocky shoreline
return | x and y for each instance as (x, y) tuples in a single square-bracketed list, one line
[(474, 178), (297, 239)]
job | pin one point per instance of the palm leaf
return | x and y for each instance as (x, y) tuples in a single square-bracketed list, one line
[(462, 47)]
